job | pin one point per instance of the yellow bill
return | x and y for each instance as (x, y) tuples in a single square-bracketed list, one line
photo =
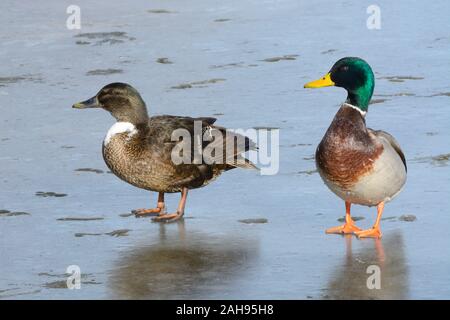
[(325, 81)]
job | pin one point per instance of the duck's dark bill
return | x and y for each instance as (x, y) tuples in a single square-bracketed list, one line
[(90, 103), (325, 81)]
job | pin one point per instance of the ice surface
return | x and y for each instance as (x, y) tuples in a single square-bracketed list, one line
[(265, 51)]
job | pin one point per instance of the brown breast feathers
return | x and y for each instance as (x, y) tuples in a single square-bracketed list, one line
[(347, 151)]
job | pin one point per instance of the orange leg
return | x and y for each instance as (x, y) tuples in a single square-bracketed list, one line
[(170, 217), (349, 225), (375, 232), (151, 212)]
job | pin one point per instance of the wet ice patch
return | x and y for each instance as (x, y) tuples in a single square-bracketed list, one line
[(400, 94), (441, 94), (159, 11), (114, 233), (400, 78), (441, 160), (307, 172), (407, 218), (228, 65), (7, 213), (281, 58), (164, 61), (50, 194), (254, 220), (118, 233), (103, 72), (126, 215), (101, 38), (98, 171), (9, 80), (15, 292), (198, 84), (61, 283), (4, 81), (222, 20), (80, 219), (18, 213), (328, 51), (375, 101), (83, 234)]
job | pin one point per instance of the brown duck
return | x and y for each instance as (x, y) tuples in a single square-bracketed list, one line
[(142, 151)]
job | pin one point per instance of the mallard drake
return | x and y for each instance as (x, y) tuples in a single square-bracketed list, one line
[(139, 149), (360, 165)]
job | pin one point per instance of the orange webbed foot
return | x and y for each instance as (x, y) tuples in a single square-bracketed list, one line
[(147, 212), (347, 228), (369, 233), (168, 217)]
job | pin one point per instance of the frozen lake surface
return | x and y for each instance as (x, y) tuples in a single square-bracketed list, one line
[(260, 54)]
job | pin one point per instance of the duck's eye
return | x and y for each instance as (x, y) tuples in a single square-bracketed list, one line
[(343, 68)]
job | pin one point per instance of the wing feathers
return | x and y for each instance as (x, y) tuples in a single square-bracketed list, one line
[(393, 143)]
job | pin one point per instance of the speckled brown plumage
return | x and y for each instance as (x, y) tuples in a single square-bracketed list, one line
[(144, 160)]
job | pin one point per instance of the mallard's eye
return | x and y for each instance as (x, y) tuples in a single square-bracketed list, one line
[(343, 68)]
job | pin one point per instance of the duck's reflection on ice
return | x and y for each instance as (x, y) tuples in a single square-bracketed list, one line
[(350, 280), (182, 265)]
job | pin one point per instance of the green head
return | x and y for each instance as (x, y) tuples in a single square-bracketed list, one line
[(355, 76)]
